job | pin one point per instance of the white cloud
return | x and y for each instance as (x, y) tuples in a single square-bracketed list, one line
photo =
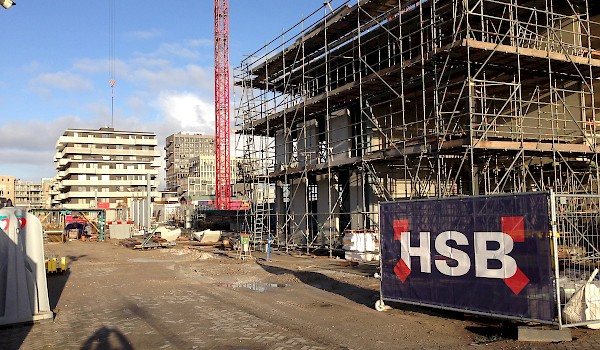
[(143, 34), (154, 93), (149, 62), (92, 66), (47, 82), (29, 146), (187, 49), (177, 50), (201, 42), (188, 111), (191, 76)]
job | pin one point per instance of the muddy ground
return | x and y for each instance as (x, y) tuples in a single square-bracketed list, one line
[(191, 297)]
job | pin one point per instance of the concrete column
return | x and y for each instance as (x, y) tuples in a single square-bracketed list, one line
[(281, 158), (327, 216), (340, 136), (279, 210), (299, 210), (307, 143), (356, 194)]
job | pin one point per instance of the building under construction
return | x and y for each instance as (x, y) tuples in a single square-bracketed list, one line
[(381, 100)]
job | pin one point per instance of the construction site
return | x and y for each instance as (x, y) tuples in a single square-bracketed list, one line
[(381, 101), (440, 156)]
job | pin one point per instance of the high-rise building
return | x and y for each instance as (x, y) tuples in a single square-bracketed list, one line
[(7, 188), (105, 168), (180, 149)]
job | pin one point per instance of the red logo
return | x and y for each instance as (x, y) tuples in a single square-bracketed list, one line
[(4, 223), (22, 221)]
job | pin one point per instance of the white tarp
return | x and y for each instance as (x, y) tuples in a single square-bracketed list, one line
[(584, 305)]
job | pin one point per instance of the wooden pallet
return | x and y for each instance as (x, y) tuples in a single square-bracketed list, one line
[(154, 246)]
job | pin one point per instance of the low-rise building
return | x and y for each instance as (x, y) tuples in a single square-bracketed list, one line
[(28, 194), (7, 187)]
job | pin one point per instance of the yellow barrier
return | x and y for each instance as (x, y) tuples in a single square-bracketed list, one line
[(56, 265)]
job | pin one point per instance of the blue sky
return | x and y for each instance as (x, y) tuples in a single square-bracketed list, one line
[(54, 69)]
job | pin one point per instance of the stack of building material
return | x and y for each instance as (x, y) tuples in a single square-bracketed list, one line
[(207, 236), (120, 229), (361, 245), (169, 235)]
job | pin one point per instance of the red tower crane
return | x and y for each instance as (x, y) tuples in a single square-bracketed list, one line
[(222, 125)]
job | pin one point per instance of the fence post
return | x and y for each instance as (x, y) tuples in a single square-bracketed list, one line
[(555, 254)]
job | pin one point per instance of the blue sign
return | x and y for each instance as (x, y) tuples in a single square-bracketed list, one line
[(483, 254)]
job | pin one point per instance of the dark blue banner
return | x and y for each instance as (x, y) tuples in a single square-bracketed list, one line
[(482, 254)]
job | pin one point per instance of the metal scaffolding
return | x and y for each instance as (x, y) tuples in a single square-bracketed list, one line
[(384, 100)]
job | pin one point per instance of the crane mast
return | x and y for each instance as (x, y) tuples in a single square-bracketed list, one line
[(222, 124)]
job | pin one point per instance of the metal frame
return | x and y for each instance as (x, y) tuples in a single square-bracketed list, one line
[(385, 100), (101, 214), (222, 116), (576, 241)]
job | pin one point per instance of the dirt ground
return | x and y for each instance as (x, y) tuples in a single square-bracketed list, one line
[(204, 298)]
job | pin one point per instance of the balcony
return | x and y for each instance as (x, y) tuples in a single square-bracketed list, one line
[(63, 141)]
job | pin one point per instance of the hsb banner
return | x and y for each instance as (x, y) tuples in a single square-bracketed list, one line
[(481, 254)]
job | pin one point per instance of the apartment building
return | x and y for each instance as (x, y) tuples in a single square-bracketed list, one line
[(7, 187), (28, 194), (47, 185), (180, 149), (201, 177), (105, 168)]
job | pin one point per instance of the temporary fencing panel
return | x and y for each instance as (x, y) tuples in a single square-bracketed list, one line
[(577, 255), (23, 288), (484, 255)]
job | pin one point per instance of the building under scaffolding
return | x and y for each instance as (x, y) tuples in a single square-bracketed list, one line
[(385, 100)]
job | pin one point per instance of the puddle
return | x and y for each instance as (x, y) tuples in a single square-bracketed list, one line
[(255, 286)]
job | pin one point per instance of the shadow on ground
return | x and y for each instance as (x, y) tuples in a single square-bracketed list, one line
[(157, 325), (13, 336), (359, 295), (318, 280), (56, 285), (107, 338), (492, 332), (72, 258)]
